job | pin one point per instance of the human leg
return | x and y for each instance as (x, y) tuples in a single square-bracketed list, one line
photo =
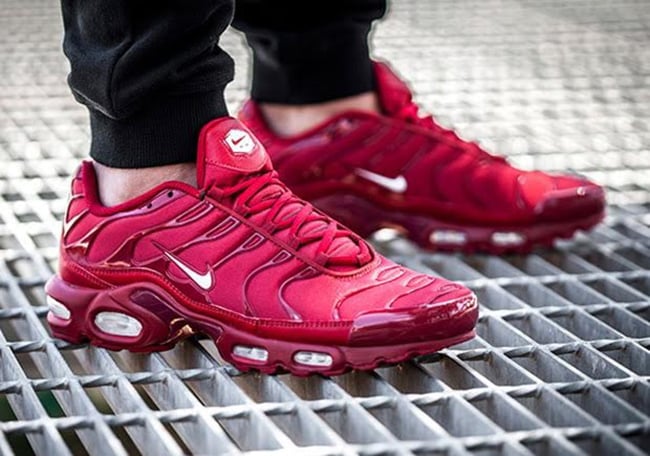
[(310, 59), (151, 75)]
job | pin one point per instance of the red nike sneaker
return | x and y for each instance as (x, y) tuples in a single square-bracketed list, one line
[(403, 171), (276, 283)]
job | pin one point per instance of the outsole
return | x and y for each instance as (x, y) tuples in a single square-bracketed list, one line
[(164, 324), (365, 218)]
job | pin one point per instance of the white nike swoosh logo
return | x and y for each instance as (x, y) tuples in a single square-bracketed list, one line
[(202, 280), (394, 184)]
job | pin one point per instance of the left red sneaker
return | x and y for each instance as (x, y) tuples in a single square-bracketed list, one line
[(405, 171)]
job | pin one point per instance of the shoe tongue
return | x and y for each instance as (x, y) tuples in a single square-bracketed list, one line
[(227, 152), (393, 92)]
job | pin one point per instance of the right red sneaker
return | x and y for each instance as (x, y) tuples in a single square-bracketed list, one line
[(276, 283), (403, 171)]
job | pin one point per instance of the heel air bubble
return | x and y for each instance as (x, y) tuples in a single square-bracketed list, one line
[(118, 324), (507, 238), (314, 359), (251, 353), (57, 308)]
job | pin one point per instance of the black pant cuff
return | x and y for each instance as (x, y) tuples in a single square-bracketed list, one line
[(165, 132), (324, 70)]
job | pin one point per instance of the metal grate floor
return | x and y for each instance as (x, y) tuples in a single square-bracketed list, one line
[(562, 362)]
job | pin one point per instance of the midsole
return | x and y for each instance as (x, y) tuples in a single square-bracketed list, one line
[(83, 304), (142, 317), (365, 217)]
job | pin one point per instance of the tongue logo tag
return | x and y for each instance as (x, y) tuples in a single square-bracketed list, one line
[(240, 142)]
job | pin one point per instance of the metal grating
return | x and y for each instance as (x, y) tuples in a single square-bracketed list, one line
[(561, 364)]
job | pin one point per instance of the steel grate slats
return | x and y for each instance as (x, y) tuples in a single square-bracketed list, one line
[(561, 361)]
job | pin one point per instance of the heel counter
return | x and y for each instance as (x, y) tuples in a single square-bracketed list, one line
[(74, 229)]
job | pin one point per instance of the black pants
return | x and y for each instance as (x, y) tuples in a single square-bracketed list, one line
[(151, 72)]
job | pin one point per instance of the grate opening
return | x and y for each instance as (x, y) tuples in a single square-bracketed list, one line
[(544, 447), (301, 428), (545, 367), (249, 433), (44, 240), (82, 360), (74, 444), (408, 378), (631, 356), (590, 363), (458, 418), (23, 267), (599, 444), (549, 408), (567, 262), (35, 293), (495, 298), (576, 292), (532, 265), (499, 334), (539, 328), (641, 284), (50, 404), (613, 291), (506, 414), (623, 321), (583, 326), (262, 388), (606, 262), (498, 370), (637, 255), (363, 384), (535, 295), (402, 423), (123, 434), (492, 267), (632, 232), (641, 440), (212, 390), (352, 426), (17, 329), (184, 355), (311, 388), (450, 267), (98, 397), (19, 444), (26, 361), (452, 374), (637, 395), (603, 406), (182, 443)]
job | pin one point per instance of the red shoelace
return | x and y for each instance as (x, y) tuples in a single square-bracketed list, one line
[(337, 246), (410, 112)]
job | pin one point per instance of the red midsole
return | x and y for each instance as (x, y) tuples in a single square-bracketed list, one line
[(163, 323)]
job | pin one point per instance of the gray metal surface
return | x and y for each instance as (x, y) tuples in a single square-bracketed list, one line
[(561, 364)]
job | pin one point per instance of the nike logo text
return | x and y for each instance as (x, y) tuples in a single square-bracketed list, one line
[(204, 281), (394, 184)]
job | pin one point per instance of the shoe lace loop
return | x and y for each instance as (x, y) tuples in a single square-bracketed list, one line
[(410, 112), (266, 193)]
